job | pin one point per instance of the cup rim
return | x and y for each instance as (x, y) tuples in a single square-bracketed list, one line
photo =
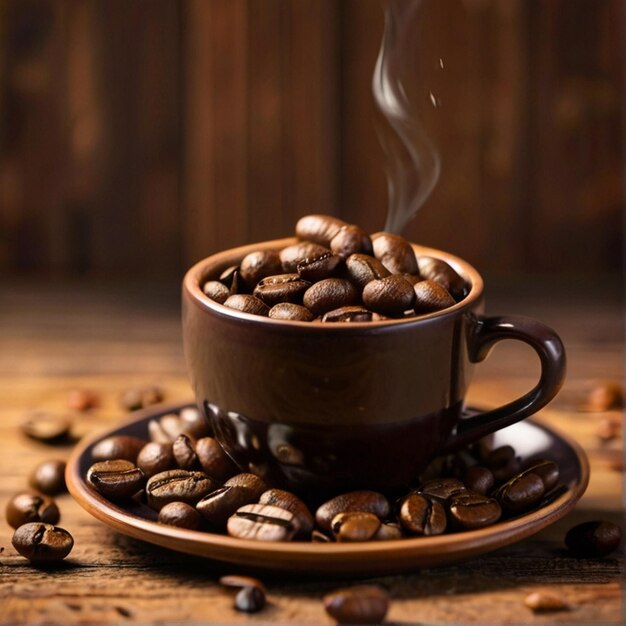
[(198, 274)]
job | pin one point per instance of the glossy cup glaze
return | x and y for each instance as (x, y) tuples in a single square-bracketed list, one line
[(311, 405)]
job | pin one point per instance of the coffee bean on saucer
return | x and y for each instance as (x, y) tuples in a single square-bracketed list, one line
[(395, 253), (82, 400), (422, 515), (442, 489), (329, 294), (430, 296), (391, 295), (184, 453), (290, 502), (548, 471), (281, 288), (141, 397), (178, 485), (318, 228), (363, 500), (317, 536), (181, 515), (155, 458), (116, 478), (49, 477), (262, 522), (124, 447), (507, 471), (442, 273), (46, 426), (473, 510), (255, 484), (354, 313), (193, 423), (479, 479), (545, 601), (318, 267), (593, 539), (355, 526), (218, 505), (247, 303), (499, 457), (250, 599), (42, 543), (520, 493), (351, 239), (216, 291), (25, 508), (257, 265), (360, 604), (290, 311), (213, 460), (387, 532)]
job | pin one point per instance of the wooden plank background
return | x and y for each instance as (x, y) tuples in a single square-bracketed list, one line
[(138, 136)]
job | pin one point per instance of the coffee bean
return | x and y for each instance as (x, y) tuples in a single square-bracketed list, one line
[(217, 506), (141, 397), (290, 311), (349, 314), (82, 400), (49, 477), (117, 447), (395, 253), (250, 599), (46, 426), (237, 581), (188, 422), (363, 500), (290, 502), (247, 303), (360, 604), (548, 471), (257, 265), (545, 601), (473, 510), (362, 268), (116, 478), (520, 493), (281, 288), (604, 397), (230, 278), (292, 256), (499, 457), (318, 267), (155, 458), (329, 294), (42, 543), (178, 486), (213, 460), (320, 229), (216, 291), (355, 526), (442, 273), (442, 489), (479, 479), (422, 515), (430, 296), (181, 515), (184, 453), (317, 536), (250, 481), (262, 522), (350, 239), (193, 423), (387, 532), (609, 428), (593, 539), (507, 471), (25, 508), (391, 295)]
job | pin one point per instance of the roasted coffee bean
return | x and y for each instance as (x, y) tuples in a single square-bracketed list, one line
[(473, 510), (350, 239), (230, 278), (180, 514), (193, 422), (317, 536), (442, 489), (250, 599), (363, 500), (520, 493), (609, 428), (257, 265), (281, 288), (430, 296), (422, 515), (387, 532), (349, 314), (216, 291), (117, 447), (49, 477), (184, 453), (82, 400), (395, 253), (46, 426), (320, 229), (479, 479), (329, 294), (213, 460), (391, 295), (360, 604), (548, 471), (247, 303), (290, 502), (545, 601), (42, 543), (250, 481), (217, 506), (507, 471), (499, 457), (155, 458), (604, 397), (178, 486), (363, 268), (188, 422), (318, 267), (237, 581), (355, 526), (412, 279), (262, 522), (116, 478), (292, 256), (141, 397), (25, 508), (593, 539), (442, 273), (290, 311)]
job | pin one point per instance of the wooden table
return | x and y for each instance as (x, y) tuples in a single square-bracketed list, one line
[(107, 338)]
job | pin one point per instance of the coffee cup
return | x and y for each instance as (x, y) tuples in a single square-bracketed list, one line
[(319, 406)]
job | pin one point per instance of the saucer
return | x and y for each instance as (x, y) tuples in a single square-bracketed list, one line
[(530, 439)]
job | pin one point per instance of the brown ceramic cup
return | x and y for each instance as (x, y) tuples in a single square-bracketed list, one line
[(312, 405)]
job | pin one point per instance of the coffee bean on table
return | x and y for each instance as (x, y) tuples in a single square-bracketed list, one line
[(178, 486), (213, 460), (329, 294), (473, 510), (82, 400), (290, 311), (290, 502), (479, 479), (422, 515), (350, 239), (361, 604), (117, 478), (363, 268), (42, 543), (259, 264), (362, 500), (430, 296), (237, 581), (442, 489), (155, 458), (318, 267), (520, 493), (318, 228), (395, 253), (594, 539), (141, 397), (25, 508), (545, 601), (250, 599), (355, 526), (262, 522), (184, 453), (391, 295), (49, 477), (247, 303), (281, 288), (216, 291), (46, 426), (124, 447), (181, 515)]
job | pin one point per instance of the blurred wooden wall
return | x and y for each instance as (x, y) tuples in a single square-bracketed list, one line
[(137, 136)]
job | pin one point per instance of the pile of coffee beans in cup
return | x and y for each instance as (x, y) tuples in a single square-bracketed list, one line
[(338, 273)]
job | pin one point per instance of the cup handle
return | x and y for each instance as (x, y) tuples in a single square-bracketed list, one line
[(484, 332)]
